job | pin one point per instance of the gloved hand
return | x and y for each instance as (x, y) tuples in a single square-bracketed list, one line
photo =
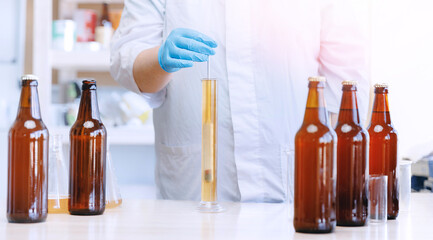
[(183, 47)]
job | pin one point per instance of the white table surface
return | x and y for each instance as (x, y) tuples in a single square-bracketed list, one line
[(162, 219)]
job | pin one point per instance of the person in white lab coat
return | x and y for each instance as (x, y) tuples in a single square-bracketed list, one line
[(266, 51)]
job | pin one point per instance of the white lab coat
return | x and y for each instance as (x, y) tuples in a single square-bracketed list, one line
[(266, 52)]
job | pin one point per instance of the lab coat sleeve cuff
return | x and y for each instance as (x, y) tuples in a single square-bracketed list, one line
[(155, 100)]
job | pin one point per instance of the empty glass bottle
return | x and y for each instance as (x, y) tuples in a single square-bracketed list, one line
[(88, 139), (28, 159)]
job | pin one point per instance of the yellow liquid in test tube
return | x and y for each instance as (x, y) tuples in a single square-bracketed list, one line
[(209, 144)]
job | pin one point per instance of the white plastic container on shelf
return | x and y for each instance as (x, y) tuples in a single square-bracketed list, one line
[(86, 23), (103, 34), (63, 35)]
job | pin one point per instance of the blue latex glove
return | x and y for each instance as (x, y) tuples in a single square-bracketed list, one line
[(183, 47)]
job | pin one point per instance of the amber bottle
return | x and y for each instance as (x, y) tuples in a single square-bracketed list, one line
[(383, 146), (27, 199), (352, 161), (88, 139), (315, 166), (104, 15)]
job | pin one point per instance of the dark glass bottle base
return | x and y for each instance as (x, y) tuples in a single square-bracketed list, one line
[(392, 217), (351, 223), (24, 218), (321, 228), (310, 230), (86, 212)]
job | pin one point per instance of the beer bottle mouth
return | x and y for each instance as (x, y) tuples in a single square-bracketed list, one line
[(317, 79), (316, 82), (381, 88), (29, 80), (88, 84), (349, 85), (381, 85), (29, 83), (349, 82)]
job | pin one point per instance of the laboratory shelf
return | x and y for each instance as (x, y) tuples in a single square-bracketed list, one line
[(141, 135), (81, 60)]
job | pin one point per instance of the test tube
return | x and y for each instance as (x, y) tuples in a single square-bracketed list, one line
[(209, 148)]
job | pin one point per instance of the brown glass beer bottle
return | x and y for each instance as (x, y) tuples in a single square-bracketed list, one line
[(87, 157), (315, 166), (352, 161), (383, 146), (27, 199), (104, 15)]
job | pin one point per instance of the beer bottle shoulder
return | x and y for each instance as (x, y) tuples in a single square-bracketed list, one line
[(348, 134), (381, 129), (88, 127), (28, 127), (314, 131), (350, 129)]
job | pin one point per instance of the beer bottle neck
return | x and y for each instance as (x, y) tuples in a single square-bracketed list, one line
[(88, 105), (349, 107), (104, 16), (29, 103), (380, 109), (316, 108)]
